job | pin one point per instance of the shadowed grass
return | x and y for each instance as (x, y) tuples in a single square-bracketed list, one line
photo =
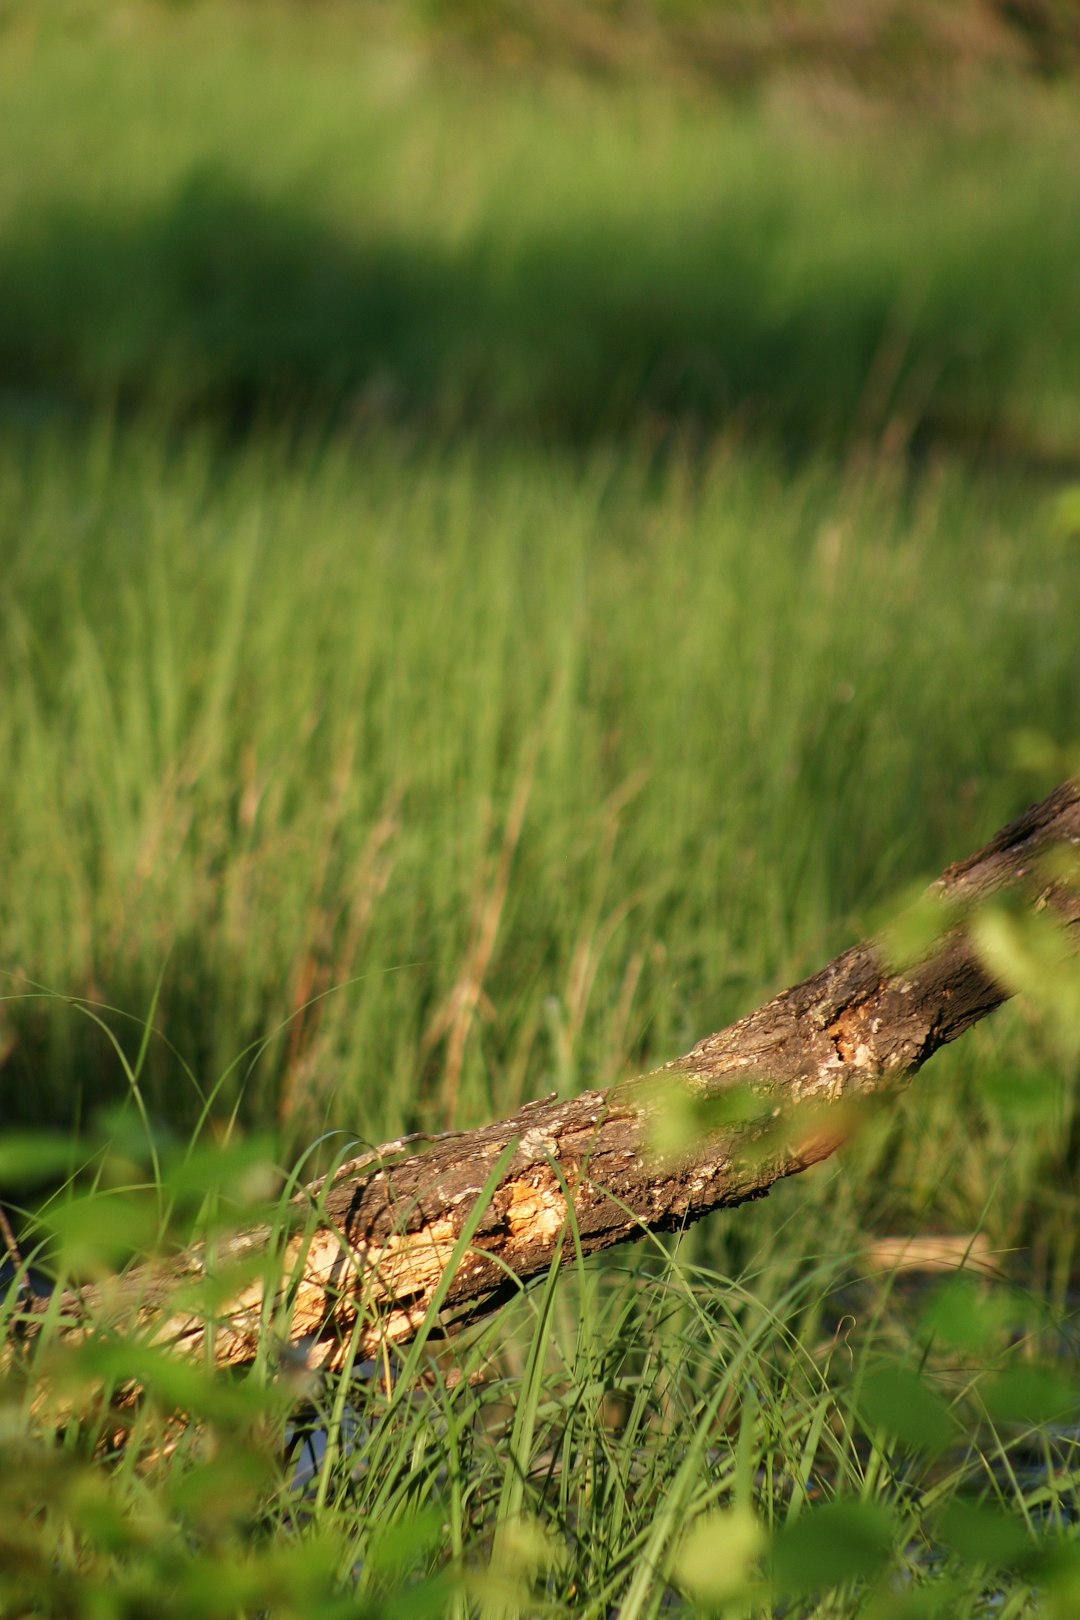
[(614, 255)]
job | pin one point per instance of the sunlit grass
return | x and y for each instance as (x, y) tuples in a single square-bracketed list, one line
[(498, 576), (425, 783)]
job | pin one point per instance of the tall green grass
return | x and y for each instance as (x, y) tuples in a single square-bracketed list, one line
[(497, 578), (395, 787), (432, 781)]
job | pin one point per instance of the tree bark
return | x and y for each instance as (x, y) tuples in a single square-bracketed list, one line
[(369, 1248)]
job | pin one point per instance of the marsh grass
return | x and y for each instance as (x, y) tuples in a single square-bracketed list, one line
[(404, 785), (479, 613)]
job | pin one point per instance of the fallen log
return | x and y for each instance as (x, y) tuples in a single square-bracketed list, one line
[(399, 1232)]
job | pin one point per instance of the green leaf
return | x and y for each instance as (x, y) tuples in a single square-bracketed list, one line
[(984, 1535), (679, 1116), (1064, 514), (29, 1156), (718, 1556), (240, 1173), (1031, 954), (179, 1384), (906, 1408), (969, 1315), (829, 1545), (1031, 1396), (1059, 1577), (224, 1488), (97, 1233), (395, 1548), (912, 933)]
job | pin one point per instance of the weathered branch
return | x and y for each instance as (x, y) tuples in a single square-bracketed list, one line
[(371, 1245)]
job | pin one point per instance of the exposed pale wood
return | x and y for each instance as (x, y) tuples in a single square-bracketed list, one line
[(369, 1247)]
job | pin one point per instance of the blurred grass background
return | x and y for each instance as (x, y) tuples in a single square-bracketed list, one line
[(511, 555), (314, 217)]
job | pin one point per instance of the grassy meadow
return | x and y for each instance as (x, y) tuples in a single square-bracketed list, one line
[(502, 570)]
